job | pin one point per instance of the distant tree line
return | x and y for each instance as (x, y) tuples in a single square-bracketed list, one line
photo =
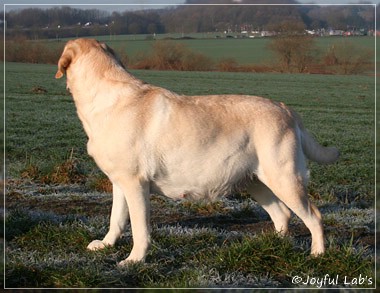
[(64, 21), (36, 23)]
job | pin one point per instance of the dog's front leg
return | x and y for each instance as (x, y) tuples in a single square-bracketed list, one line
[(137, 195), (119, 217)]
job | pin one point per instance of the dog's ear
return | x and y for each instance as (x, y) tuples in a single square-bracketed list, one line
[(108, 49), (104, 46), (111, 52), (65, 60)]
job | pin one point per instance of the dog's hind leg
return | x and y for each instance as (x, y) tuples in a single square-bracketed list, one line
[(119, 217), (283, 170), (292, 192), (276, 209)]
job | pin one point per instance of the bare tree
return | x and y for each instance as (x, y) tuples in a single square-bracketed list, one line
[(349, 58), (134, 28), (293, 48), (152, 28)]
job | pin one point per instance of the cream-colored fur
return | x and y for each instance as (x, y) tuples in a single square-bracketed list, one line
[(148, 139)]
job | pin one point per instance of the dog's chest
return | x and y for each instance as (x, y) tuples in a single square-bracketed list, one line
[(101, 154)]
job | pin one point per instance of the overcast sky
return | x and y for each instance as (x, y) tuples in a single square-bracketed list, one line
[(136, 4)]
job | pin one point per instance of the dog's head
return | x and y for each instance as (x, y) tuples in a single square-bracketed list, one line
[(74, 49)]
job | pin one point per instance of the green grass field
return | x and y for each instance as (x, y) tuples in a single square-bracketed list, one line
[(219, 244), (244, 51)]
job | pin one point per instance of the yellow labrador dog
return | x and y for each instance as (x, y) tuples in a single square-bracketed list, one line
[(149, 139)]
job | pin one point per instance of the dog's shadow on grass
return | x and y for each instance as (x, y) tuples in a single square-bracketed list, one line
[(252, 224), (20, 221)]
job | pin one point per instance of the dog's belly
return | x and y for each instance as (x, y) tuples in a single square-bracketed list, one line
[(189, 191), (204, 181), (196, 171)]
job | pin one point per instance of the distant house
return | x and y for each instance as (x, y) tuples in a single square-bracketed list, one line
[(267, 33), (333, 32)]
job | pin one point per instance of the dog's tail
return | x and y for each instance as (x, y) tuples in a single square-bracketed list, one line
[(315, 152), (311, 148)]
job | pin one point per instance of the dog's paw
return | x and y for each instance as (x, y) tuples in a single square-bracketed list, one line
[(96, 245), (124, 263), (130, 260), (127, 262)]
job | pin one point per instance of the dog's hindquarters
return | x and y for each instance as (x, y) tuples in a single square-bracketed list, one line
[(282, 168)]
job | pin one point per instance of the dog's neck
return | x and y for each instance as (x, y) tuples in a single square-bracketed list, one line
[(88, 87), (95, 97)]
